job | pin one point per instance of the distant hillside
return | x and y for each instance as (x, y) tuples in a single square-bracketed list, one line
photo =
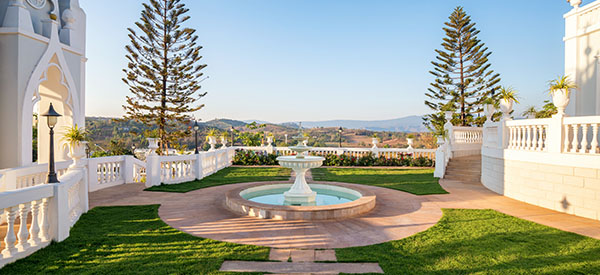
[(404, 124)]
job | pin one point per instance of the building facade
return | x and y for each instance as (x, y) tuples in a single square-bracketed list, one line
[(42, 48)]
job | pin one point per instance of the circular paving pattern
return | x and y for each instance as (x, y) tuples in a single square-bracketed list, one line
[(203, 213)]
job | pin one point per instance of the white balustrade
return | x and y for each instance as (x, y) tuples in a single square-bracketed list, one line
[(27, 176), (354, 152), (527, 134), (17, 206), (177, 169), (183, 168), (467, 135), (581, 135)]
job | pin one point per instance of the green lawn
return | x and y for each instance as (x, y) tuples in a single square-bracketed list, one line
[(484, 242), (131, 240), (228, 175), (415, 181)]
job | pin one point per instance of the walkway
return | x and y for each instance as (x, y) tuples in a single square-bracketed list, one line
[(397, 215)]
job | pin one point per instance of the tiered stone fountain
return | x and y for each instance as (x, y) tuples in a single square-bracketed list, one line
[(300, 192), (300, 201)]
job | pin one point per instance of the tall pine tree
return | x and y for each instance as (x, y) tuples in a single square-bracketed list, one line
[(164, 70), (463, 75)]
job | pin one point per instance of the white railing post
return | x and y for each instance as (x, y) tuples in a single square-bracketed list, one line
[(10, 180), (440, 161), (153, 170), (59, 213), (555, 135), (199, 159), (128, 168)]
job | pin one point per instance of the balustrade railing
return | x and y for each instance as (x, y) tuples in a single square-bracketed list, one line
[(527, 134), (38, 214), (27, 176), (177, 169), (183, 168), (355, 152), (580, 135), (467, 135)]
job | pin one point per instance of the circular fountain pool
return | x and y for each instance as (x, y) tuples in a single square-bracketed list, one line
[(333, 201), (326, 195)]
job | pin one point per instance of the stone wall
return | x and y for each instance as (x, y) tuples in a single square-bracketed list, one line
[(568, 189)]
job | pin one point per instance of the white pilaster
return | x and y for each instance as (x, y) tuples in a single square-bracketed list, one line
[(17, 16)]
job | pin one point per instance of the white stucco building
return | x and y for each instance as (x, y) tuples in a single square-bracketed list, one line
[(582, 56), (42, 48)]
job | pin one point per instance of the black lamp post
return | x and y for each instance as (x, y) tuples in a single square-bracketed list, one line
[(340, 130), (196, 127), (52, 117), (232, 140), (133, 149)]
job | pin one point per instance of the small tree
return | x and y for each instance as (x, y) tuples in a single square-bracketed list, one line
[(463, 78), (163, 71)]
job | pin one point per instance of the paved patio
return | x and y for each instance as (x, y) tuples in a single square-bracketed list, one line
[(397, 215)]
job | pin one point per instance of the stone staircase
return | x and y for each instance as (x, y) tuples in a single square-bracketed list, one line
[(464, 169)]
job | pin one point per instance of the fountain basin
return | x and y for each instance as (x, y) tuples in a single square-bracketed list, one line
[(352, 200)]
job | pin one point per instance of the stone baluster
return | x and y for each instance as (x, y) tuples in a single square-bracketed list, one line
[(528, 139), (584, 141), (34, 229), (594, 143), (45, 226), (534, 140), (566, 142), (10, 239), (511, 137), (518, 137), (575, 140), (23, 234)]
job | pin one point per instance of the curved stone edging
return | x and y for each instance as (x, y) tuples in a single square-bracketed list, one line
[(239, 205)]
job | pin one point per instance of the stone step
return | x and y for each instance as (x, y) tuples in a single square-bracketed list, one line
[(300, 267), (457, 171)]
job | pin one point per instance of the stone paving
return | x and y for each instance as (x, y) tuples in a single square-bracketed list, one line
[(301, 261), (397, 215)]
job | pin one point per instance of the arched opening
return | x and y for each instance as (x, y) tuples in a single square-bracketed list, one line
[(52, 89)]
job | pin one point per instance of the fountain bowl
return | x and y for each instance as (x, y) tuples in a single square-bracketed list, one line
[(361, 201)]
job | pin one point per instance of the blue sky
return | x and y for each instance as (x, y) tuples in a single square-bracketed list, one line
[(302, 60)]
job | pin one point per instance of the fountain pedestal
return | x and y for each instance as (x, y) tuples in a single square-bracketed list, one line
[(300, 192)]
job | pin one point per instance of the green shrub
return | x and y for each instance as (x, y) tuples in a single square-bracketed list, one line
[(243, 157)]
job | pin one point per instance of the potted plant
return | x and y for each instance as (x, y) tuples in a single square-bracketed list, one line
[(211, 136), (224, 138), (270, 137), (305, 141), (530, 112), (153, 138), (374, 140), (76, 139), (491, 106), (560, 89), (508, 96), (409, 139)]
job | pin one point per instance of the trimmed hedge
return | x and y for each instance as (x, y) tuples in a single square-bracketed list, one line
[(243, 157)]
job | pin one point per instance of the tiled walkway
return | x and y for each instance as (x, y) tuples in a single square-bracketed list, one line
[(397, 215)]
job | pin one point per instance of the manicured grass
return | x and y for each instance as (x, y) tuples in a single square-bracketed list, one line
[(228, 175), (485, 242), (132, 240), (415, 181)]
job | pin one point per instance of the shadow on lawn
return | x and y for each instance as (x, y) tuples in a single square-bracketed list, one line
[(131, 239), (483, 241)]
